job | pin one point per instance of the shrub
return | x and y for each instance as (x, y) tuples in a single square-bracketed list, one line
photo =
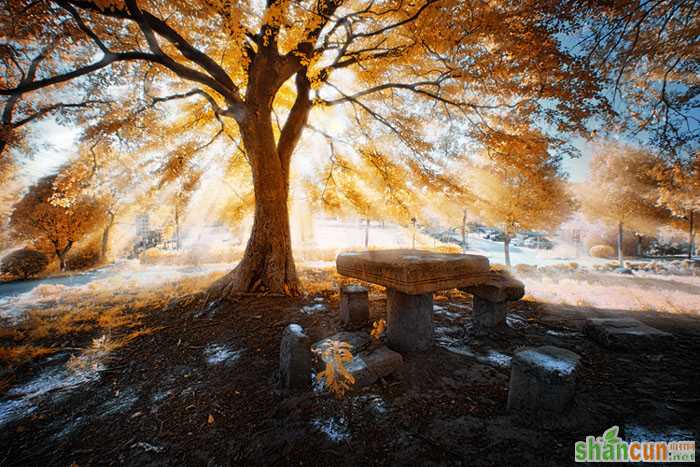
[(525, 269), (84, 257), (24, 263), (602, 251)]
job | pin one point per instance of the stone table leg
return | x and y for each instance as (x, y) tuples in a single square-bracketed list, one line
[(409, 321), (487, 315)]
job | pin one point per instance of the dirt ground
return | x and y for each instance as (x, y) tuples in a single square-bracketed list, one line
[(202, 390)]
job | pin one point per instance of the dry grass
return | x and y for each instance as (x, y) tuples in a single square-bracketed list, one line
[(15, 354), (110, 308), (645, 293)]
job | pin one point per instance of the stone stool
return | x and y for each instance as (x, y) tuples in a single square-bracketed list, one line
[(491, 296), (542, 379), (295, 359), (354, 304)]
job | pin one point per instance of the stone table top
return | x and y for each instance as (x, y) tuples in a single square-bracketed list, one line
[(414, 272)]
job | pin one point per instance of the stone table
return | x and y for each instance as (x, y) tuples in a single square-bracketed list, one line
[(411, 277)]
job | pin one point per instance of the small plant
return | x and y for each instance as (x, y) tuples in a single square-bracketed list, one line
[(335, 376), (24, 263), (378, 328)]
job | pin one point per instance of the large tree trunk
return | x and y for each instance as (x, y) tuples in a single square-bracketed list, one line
[(619, 245), (506, 249), (267, 264)]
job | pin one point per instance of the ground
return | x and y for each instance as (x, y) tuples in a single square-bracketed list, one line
[(200, 389)]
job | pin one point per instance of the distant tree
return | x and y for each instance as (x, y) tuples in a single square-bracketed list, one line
[(622, 190), (40, 215), (679, 191), (24, 263), (521, 186)]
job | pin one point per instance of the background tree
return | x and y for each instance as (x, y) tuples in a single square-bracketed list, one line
[(648, 53), (39, 216), (394, 65), (519, 185), (622, 190), (679, 191), (23, 263)]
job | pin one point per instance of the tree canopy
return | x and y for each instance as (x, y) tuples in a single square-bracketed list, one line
[(234, 85)]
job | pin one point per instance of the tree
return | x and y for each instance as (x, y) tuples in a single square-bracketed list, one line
[(520, 186), (396, 65), (647, 51), (622, 190), (39, 216), (679, 191), (24, 263)]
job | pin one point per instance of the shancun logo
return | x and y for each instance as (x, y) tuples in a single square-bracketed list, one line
[(612, 448)]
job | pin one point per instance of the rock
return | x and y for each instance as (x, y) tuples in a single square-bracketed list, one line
[(542, 379), (368, 366), (623, 333), (497, 287), (358, 341), (354, 305), (409, 323), (623, 271), (487, 315), (295, 359), (413, 272)]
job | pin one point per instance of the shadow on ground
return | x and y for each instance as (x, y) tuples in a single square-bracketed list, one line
[(202, 391)]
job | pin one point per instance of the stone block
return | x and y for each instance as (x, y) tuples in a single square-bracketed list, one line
[(497, 286), (354, 305), (486, 315), (414, 272), (623, 333), (358, 341), (368, 366), (542, 379), (295, 359), (409, 324)]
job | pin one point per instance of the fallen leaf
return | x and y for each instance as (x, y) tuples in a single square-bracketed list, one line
[(210, 420)]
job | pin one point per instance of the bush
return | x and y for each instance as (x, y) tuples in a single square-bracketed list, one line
[(602, 251), (24, 263), (84, 256)]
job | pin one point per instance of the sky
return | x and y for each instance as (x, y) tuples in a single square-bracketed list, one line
[(58, 143)]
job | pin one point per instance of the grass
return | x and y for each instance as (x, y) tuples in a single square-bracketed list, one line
[(56, 315)]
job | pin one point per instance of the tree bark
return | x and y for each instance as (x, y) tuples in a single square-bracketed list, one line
[(506, 249), (691, 234), (177, 228), (619, 245), (62, 252), (367, 233), (267, 264), (464, 232), (639, 245), (105, 238)]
